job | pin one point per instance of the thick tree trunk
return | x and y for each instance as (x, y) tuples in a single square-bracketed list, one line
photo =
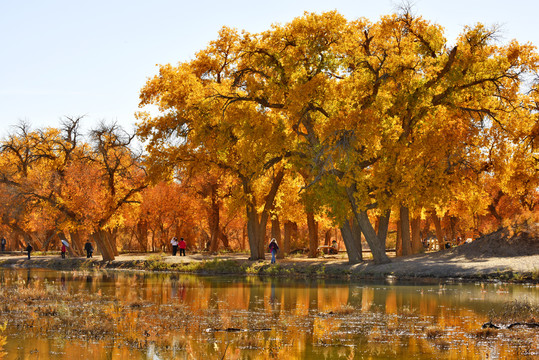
[(439, 231), (49, 236), (405, 230), (398, 242), (71, 249), (243, 236), (224, 239), (383, 225), (214, 219), (287, 236), (425, 233), (36, 243), (113, 238), (351, 237), (27, 237), (103, 243), (312, 226), (453, 223), (377, 245), (141, 234), (276, 234), (256, 224), (19, 244), (76, 243), (327, 237), (417, 246)]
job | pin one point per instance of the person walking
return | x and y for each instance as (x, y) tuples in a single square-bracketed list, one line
[(63, 251), (174, 243), (3, 243), (89, 249), (29, 249), (273, 247), (182, 245)]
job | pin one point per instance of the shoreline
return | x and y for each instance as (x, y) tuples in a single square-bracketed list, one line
[(440, 265)]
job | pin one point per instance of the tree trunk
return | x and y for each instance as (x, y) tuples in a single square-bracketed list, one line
[(19, 244), (29, 239), (256, 223), (102, 241), (141, 234), (112, 237), (327, 237), (356, 232), (76, 243), (405, 230), (214, 220), (453, 223), (398, 242), (49, 235), (352, 241), (313, 234), (425, 233), (287, 236), (224, 239), (243, 236), (416, 234), (439, 231), (377, 245), (276, 234), (71, 250), (383, 225)]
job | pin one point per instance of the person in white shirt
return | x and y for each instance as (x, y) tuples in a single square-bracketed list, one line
[(174, 243)]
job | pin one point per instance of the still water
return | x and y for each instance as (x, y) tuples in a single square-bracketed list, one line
[(127, 315)]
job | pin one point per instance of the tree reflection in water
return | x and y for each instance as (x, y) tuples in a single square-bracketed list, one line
[(119, 315)]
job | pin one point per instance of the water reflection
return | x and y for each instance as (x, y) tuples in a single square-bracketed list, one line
[(243, 318)]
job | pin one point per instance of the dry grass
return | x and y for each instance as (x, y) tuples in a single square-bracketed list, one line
[(516, 311)]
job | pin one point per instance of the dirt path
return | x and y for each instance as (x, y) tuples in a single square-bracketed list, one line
[(445, 264)]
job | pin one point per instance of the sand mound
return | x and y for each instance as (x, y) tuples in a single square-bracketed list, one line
[(502, 243)]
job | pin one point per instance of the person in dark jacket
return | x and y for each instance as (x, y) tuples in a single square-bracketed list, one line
[(3, 243), (273, 247), (89, 249), (29, 248)]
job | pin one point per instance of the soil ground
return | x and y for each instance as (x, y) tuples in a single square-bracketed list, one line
[(495, 256)]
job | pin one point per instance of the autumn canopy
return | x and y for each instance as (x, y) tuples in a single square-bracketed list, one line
[(367, 127)]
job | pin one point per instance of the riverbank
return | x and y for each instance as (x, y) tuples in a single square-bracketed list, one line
[(442, 265)]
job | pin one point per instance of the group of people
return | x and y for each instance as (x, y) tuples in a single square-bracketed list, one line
[(182, 245), (176, 245), (63, 249)]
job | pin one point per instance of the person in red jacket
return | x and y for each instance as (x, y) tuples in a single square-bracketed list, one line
[(63, 251), (182, 245)]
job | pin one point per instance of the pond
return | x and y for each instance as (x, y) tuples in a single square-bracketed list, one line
[(139, 315)]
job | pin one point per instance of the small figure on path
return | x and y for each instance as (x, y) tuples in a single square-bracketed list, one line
[(89, 249), (182, 245), (273, 247), (3, 243), (63, 251), (29, 248), (174, 243)]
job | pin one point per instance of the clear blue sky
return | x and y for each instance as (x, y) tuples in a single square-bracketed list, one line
[(70, 57)]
